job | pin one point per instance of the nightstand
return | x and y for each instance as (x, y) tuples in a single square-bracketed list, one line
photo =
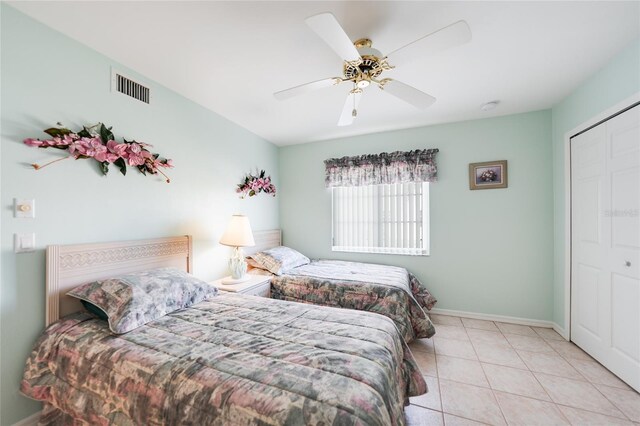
[(258, 285)]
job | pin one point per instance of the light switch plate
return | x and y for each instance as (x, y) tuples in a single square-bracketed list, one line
[(24, 243), (24, 208)]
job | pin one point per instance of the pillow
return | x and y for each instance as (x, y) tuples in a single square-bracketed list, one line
[(252, 265), (260, 271), (279, 260), (130, 301), (95, 310)]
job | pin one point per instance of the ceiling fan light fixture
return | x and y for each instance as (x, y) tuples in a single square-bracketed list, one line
[(488, 106)]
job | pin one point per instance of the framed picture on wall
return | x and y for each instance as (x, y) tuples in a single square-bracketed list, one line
[(488, 175)]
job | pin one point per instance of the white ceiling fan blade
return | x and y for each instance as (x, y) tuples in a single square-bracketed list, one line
[(328, 28), (306, 88), (350, 105), (454, 35), (409, 94)]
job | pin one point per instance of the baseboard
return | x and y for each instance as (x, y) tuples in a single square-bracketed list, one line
[(561, 331), (500, 318), (32, 420)]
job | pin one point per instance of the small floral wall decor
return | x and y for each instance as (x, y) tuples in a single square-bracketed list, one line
[(488, 175), (253, 185), (97, 142)]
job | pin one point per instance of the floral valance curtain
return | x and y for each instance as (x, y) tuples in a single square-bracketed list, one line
[(383, 168)]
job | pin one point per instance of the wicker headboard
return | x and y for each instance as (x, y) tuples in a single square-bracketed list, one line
[(71, 265), (264, 240)]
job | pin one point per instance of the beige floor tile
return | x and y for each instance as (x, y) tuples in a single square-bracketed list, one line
[(451, 420), (426, 362), (519, 410), (470, 402), (451, 332), (579, 417), (430, 399), (418, 416), (596, 373), (549, 364), (527, 343), (445, 320), (577, 394), (516, 329), (501, 354), (461, 370), (424, 345), (547, 333), (452, 347), (479, 324), (513, 380), (626, 400), (485, 336), (568, 350)]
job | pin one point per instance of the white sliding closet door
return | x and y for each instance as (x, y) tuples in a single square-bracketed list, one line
[(605, 234)]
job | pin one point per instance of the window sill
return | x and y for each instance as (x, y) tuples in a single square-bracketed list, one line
[(382, 250)]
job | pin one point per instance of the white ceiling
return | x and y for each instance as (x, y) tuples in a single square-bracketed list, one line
[(231, 56)]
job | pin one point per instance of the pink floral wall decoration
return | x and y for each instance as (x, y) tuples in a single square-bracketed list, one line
[(253, 185), (97, 142)]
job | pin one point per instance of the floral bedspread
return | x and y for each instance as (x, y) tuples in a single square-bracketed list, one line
[(387, 290), (230, 360)]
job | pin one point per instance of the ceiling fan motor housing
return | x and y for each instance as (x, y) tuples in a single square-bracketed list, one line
[(370, 66)]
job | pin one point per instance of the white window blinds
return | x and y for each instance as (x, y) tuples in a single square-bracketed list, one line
[(390, 218)]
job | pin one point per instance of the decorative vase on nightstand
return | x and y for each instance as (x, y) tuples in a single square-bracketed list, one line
[(237, 235), (238, 267)]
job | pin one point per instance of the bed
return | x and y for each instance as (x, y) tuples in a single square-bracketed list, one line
[(387, 290), (230, 359)]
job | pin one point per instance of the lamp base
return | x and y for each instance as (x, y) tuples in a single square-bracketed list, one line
[(230, 280)]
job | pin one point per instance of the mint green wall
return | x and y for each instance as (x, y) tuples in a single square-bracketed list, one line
[(47, 77), (618, 80), (491, 250)]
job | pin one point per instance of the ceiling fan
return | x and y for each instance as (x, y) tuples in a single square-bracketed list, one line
[(363, 65)]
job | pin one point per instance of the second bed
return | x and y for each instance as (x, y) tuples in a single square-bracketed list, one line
[(387, 290)]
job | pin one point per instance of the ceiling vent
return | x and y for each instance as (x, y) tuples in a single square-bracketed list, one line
[(129, 87)]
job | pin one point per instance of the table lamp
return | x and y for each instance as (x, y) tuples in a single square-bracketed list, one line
[(237, 235)]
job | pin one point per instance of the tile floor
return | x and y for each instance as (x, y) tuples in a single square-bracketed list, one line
[(483, 372)]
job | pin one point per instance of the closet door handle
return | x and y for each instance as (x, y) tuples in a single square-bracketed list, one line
[(627, 263)]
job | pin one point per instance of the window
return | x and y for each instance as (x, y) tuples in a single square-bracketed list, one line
[(390, 218)]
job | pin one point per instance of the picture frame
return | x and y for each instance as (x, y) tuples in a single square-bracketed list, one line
[(488, 175)]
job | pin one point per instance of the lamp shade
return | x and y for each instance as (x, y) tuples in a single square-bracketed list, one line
[(238, 232)]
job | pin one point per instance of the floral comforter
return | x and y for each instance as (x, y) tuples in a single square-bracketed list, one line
[(387, 290), (230, 360)]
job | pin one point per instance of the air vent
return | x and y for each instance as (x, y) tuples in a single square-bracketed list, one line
[(128, 87)]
